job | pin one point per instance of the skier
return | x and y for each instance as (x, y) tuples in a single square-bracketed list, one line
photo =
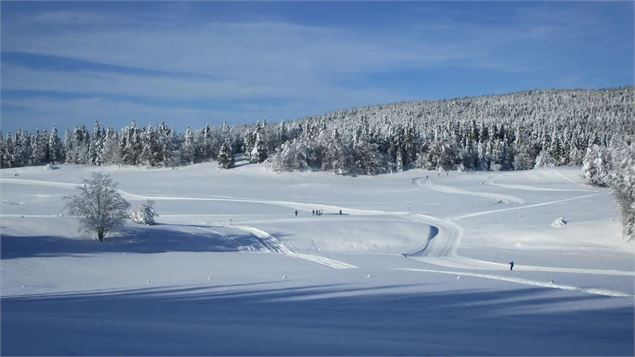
[(312, 212), (340, 212), (511, 265), (296, 213)]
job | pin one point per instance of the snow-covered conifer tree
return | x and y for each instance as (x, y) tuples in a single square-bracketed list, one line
[(55, 147), (226, 156), (130, 145), (189, 147), (259, 151), (39, 148), (597, 165), (544, 159), (111, 152), (96, 145), (622, 182)]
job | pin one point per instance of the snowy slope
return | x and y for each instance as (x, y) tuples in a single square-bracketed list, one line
[(411, 266)]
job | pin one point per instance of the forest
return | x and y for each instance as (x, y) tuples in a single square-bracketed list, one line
[(505, 132), (589, 128)]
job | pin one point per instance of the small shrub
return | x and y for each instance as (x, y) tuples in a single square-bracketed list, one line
[(144, 213)]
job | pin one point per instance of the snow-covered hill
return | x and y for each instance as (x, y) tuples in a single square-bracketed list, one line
[(416, 263)]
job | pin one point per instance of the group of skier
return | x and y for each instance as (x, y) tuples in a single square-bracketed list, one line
[(316, 212)]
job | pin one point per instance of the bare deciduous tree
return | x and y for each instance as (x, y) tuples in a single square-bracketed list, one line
[(98, 204)]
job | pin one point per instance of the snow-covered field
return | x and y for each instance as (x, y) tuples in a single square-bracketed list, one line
[(417, 263)]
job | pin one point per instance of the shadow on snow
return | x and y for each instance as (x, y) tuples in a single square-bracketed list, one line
[(156, 239), (264, 319)]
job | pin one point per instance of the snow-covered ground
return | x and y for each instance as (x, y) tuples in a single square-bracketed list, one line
[(417, 263)]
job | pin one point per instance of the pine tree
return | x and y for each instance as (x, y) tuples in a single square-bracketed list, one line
[(259, 152), (21, 149), (622, 182), (96, 145), (111, 152), (189, 147), (6, 151), (167, 145), (55, 147), (597, 165), (131, 145), (226, 156), (39, 148), (544, 159)]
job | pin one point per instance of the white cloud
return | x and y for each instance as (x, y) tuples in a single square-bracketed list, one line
[(302, 66)]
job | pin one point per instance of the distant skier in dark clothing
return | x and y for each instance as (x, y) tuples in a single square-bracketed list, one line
[(312, 212), (340, 212), (511, 265), (296, 213)]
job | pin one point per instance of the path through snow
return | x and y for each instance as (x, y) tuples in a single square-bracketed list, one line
[(440, 247), (427, 183), (544, 284), (272, 244)]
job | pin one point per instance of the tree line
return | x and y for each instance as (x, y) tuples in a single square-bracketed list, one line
[(506, 132), (590, 128), (614, 167)]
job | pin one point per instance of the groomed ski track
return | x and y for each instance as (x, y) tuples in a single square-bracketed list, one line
[(439, 249)]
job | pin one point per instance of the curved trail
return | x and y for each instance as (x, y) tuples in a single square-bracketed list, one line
[(461, 262), (482, 213), (444, 238), (272, 244), (544, 284), (492, 182), (457, 191), (440, 247)]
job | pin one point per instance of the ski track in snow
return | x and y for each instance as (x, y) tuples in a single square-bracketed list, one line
[(562, 176), (482, 213), (39, 182), (272, 244), (544, 284), (440, 247), (492, 182), (460, 262), (457, 191)]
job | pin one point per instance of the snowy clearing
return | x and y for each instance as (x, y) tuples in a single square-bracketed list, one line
[(231, 269)]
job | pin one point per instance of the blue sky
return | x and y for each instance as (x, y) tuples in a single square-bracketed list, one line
[(190, 63)]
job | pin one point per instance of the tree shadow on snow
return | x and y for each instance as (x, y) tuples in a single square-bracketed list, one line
[(157, 239), (315, 320)]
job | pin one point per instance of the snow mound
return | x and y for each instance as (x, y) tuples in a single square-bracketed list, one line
[(559, 222)]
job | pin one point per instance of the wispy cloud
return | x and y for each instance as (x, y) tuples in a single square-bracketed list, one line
[(175, 55)]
